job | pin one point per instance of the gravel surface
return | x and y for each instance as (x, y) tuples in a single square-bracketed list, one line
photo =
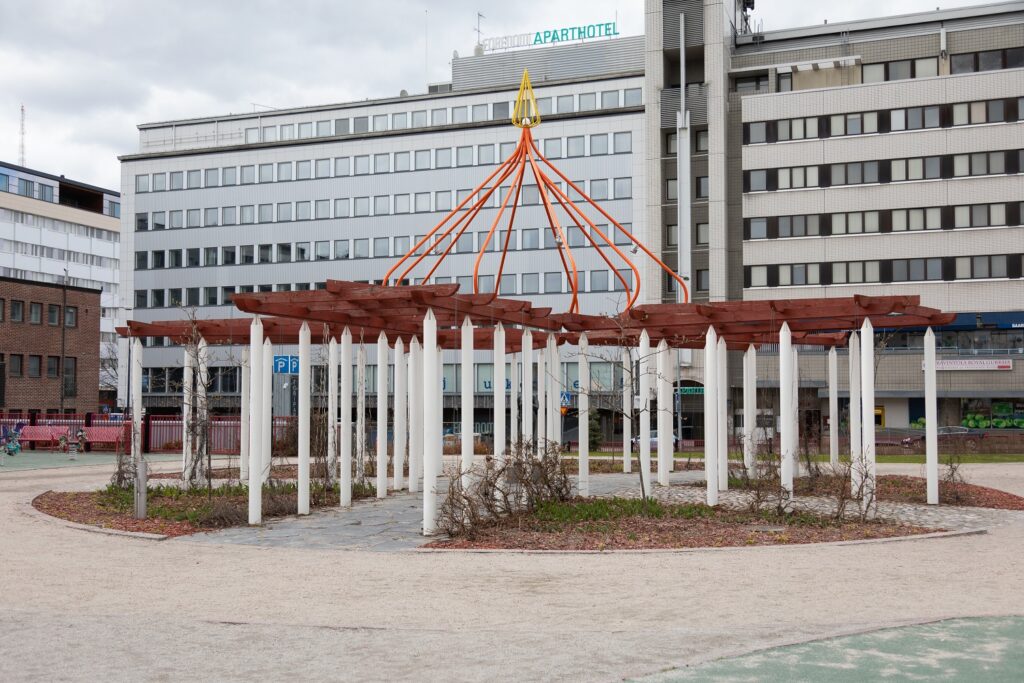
[(85, 606)]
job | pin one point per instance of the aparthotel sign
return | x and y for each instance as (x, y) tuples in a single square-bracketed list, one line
[(551, 35), (973, 364)]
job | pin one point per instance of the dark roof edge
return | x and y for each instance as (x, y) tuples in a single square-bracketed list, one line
[(53, 285), (59, 179)]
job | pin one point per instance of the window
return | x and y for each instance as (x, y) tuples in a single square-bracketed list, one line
[(402, 161), (141, 222), (438, 117), (553, 283), (141, 183), (623, 143), (248, 175), (485, 154), (284, 211), (855, 173), (599, 189), (598, 144), (361, 206), (16, 363), (443, 200), (632, 97), (303, 170), (35, 366), (53, 314), (703, 280), (399, 121), (160, 180), (758, 132), (531, 238), (361, 248), (464, 156), (759, 276), (701, 141), (759, 181), (266, 253), (784, 82), (174, 258), (401, 203), (531, 283), (981, 163), (141, 260), (382, 205), (52, 366), (798, 177), (227, 256), (703, 187), (623, 188), (797, 129), (422, 202), (341, 249), (443, 158), (252, 135), (18, 311), (192, 218), (751, 84)]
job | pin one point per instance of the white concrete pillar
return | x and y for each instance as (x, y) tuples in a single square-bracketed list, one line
[(467, 391), (136, 398), (583, 410), (332, 409), (401, 428), (750, 410), (255, 421), (267, 406), (786, 436), (833, 407), (721, 368), (515, 428), (542, 406), (645, 410), (867, 397), (305, 398), (415, 414), (382, 416), (202, 407), (360, 412), (187, 403), (856, 453), (431, 423), (711, 415), (665, 427), (243, 421), (528, 392), (796, 412), (499, 393), (931, 419), (554, 364), (345, 431), (627, 411)]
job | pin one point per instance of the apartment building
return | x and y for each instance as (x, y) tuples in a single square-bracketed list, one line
[(58, 231)]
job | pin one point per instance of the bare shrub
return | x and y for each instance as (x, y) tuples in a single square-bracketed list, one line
[(504, 490)]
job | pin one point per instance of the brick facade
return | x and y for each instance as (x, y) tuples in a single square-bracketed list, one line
[(37, 345)]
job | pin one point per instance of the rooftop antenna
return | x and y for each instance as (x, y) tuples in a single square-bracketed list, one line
[(21, 144), (479, 34), (426, 43)]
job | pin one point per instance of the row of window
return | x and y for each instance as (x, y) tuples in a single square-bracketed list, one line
[(384, 162), (357, 207), (892, 220), (289, 252), (511, 284), (950, 268), (885, 171), (884, 121), (17, 313), (17, 367), (26, 188), (59, 226), (496, 111), (65, 255)]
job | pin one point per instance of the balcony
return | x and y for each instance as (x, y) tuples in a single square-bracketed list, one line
[(696, 101)]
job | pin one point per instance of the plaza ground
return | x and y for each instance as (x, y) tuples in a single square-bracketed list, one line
[(228, 610)]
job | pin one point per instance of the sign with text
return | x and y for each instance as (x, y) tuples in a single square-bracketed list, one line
[(691, 391), (286, 365), (550, 36), (1004, 364)]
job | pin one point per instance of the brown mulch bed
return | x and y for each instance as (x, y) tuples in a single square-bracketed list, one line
[(722, 528), (175, 515), (905, 489), (276, 472)]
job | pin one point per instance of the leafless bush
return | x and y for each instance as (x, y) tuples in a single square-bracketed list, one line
[(504, 490), (765, 487)]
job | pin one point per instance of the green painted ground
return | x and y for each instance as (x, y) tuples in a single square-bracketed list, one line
[(984, 649), (40, 460)]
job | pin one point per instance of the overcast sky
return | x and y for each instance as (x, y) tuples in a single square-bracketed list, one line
[(89, 71)]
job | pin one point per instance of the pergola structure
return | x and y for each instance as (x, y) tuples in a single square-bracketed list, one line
[(414, 323), (430, 318)]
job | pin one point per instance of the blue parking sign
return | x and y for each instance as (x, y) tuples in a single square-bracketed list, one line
[(293, 367), (283, 365)]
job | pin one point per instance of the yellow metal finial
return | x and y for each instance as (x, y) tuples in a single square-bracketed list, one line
[(525, 113)]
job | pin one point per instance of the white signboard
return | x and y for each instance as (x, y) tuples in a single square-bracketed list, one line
[(972, 364)]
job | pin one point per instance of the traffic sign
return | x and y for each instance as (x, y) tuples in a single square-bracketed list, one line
[(286, 365), (566, 399)]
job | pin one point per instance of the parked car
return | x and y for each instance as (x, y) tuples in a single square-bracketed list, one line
[(654, 441), (965, 437)]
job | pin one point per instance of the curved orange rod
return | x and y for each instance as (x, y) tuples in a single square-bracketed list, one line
[(517, 184)]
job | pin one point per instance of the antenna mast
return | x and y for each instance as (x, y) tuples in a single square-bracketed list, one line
[(479, 34), (21, 145)]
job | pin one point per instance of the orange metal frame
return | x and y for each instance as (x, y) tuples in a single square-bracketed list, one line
[(454, 224)]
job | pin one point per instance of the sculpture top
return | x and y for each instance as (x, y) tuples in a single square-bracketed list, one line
[(525, 113)]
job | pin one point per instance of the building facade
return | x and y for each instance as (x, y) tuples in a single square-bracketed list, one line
[(874, 157), (871, 157), (64, 232), (49, 348)]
